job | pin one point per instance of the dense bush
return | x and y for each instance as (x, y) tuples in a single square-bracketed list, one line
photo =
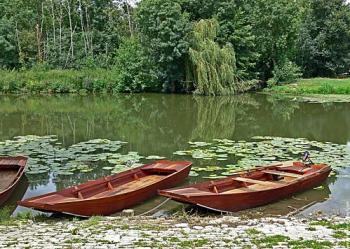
[(57, 81), (135, 72), (287, 72)]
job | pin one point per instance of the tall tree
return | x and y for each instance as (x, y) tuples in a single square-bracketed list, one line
[(324, 38), (164, 30), (236, 29), (275, 26), (213, 67)]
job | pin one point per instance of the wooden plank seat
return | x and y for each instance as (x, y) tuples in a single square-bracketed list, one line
[(130, 186), (281, 173), (238, 190), (266, 183), (249, 188)]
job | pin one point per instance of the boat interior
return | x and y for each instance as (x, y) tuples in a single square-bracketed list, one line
[(112, 185), (8, 175), (255, 180)]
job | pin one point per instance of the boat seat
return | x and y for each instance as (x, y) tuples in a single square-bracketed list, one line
[(281, 173), (266, 183), (247, 189), (294, 169), (238, 190), (130, 186)]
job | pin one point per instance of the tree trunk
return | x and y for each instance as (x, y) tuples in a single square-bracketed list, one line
[(71, 29), (129, 17), (82, 26), (38, 42), (53, 23)]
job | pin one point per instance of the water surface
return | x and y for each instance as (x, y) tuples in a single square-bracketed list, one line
[(159, 124)]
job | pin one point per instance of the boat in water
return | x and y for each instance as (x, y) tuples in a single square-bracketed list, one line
[(111, 194), (253, 188), (11, 172)]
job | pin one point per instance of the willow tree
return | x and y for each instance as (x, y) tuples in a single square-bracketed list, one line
[(213, 67)]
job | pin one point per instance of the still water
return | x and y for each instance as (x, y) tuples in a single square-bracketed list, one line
[(159, 124)]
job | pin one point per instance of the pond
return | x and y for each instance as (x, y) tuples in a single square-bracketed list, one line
[(163, 125)]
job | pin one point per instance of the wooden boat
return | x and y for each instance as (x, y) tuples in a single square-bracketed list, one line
[(11, 172), (253, 188), (114, 193)]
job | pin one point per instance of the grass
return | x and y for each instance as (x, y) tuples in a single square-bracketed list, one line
[(275, 240), (299, 244), (328, 224), (314, 86), (270, 241), (252, 232), (92, 221), (340, 235), (5, 214)]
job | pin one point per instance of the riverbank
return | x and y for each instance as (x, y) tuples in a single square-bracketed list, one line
[(180, 232), (106, 81), (322, 86)]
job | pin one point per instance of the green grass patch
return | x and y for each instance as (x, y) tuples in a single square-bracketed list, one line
[(345, 244), (314, 86), (252, 232), (193, 243), (340, 235), (314, 244), (270, 241), (92, 221), (330, 225), (5, 214)]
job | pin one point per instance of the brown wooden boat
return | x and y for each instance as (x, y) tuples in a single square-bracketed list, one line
[(11, 172), (114, 193), (253, 188)]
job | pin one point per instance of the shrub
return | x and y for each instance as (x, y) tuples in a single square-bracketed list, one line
[(286, 72), (135, 71)]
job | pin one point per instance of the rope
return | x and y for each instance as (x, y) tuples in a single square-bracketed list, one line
[(298, 210), (149, 211)]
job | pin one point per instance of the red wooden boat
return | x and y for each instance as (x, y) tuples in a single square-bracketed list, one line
[(252, 188), (11, 172), (114, 193)]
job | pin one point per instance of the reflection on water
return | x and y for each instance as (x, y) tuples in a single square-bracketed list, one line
[(157, 124)]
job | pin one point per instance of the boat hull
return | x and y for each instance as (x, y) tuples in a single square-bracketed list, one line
[(240, 201), (7, 163)]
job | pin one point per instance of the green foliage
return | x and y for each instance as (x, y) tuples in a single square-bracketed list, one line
[(213, 67), (8, 49), (164, 29), (135, 72), (149, 42), (324, 38), (236, 29), (275, 24), (201, 9), (57, 81), (288, 72)]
